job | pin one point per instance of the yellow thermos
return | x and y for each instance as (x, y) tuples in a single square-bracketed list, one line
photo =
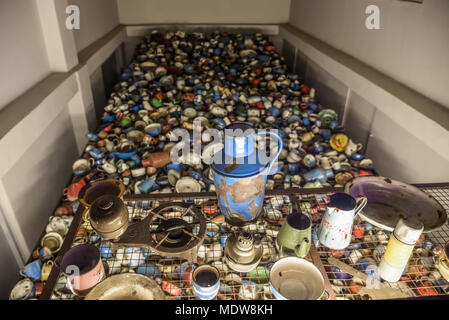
[(400, 248)]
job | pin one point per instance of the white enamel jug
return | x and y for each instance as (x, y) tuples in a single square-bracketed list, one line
[(336, 227)]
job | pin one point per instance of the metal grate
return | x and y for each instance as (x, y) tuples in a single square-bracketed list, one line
[(421, 279), (170, 272)]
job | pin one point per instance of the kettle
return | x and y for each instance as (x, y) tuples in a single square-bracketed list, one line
[(97, 189)]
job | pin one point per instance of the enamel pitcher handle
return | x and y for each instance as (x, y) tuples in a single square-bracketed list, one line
[(360, 204), (280, 146)]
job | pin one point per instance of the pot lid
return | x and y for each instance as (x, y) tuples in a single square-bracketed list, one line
[(127, 286), (239, 167), (100, 188)]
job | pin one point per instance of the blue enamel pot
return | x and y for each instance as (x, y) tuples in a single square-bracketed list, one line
[(206, 282), (240, 173)]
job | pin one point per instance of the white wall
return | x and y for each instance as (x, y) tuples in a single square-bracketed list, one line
[(411, 47), (59, 40), (23, 57), (41, 173), (203, 11), (97, 18), (384, 115)]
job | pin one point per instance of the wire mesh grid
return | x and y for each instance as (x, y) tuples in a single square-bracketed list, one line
[(420, 278), (174, 275)]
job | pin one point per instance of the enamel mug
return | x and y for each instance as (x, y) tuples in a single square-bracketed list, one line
[(324, 163), (57, 224), (108, 168), (53, 241), (46, 269), (352, 148), (32, 270), (138, 172), (206, 282), (42, 253), (81, 167), (23, 290), (295, 235), (83, 268), (336, 227)]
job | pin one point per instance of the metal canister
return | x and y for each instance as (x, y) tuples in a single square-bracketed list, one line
[(400, 248)]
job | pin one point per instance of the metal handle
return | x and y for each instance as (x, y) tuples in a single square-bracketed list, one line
[(301, 250), (269, 265), (280, 146), (325, 296), (22, 272), (360, 204)]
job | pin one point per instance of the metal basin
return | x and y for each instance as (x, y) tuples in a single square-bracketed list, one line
[(389, 200), (127, 286)]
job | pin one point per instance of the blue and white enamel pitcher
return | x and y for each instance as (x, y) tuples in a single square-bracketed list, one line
[(240, 173)]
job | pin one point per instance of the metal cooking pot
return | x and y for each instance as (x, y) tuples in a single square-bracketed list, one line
[(127, 286)]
